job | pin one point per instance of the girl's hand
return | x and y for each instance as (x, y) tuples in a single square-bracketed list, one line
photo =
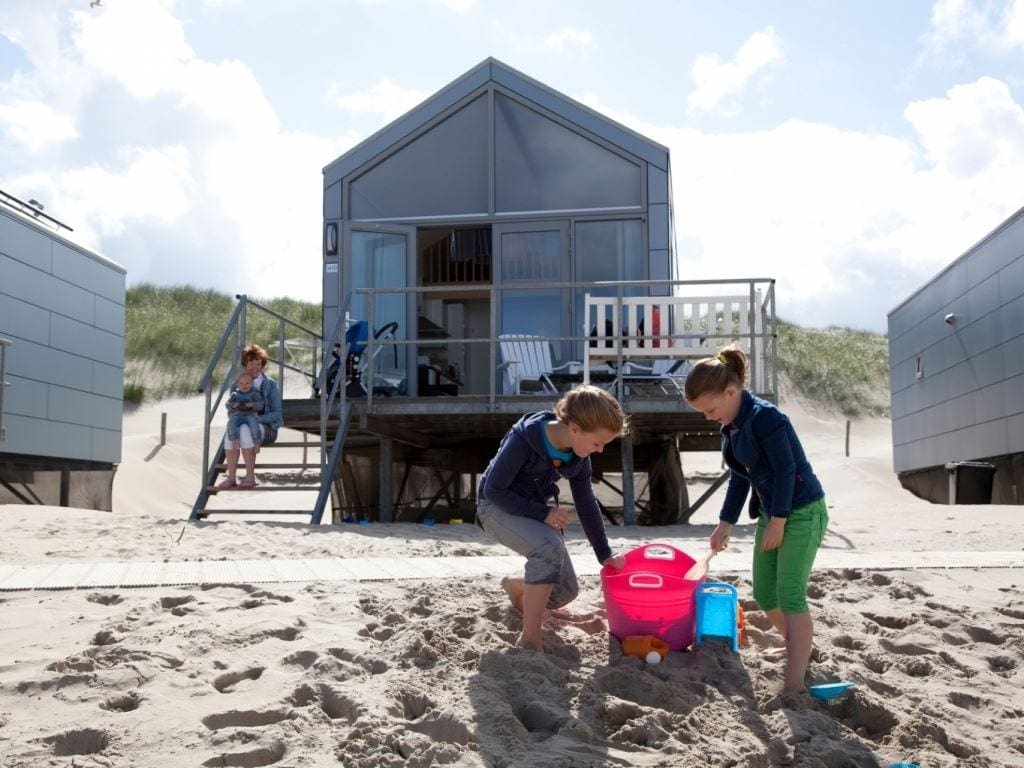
[(617, 562), (720, 536), (772, 536), (557, 518)]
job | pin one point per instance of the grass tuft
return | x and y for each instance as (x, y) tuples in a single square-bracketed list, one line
[(841, 368)]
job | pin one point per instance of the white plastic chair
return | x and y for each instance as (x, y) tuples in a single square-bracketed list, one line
[(528, 359)]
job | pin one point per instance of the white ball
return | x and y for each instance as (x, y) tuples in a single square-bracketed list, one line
[(653, 657)]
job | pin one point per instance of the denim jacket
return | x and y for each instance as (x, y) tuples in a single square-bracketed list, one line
[(761, 448)]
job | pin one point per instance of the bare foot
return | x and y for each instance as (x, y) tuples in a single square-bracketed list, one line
[(513, 587), (530, 644)]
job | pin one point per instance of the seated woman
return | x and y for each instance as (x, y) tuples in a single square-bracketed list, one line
[(254, 360)]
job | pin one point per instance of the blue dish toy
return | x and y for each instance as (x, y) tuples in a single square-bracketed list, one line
[(827, 691)]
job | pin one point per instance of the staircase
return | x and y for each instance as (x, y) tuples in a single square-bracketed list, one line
[(311, 478)]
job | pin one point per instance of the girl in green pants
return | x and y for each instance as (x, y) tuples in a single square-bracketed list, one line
[(762, 451)]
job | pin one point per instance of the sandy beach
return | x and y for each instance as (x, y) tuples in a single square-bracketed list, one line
[(423, 672)]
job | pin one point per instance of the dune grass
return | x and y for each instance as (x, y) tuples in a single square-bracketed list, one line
[(173, 331), (841, 368)]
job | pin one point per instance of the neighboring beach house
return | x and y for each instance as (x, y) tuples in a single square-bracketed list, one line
[(956, 357), (62, 351), (495, 246)]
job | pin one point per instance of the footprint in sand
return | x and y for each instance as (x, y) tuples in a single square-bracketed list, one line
[(253, 758), (226, 683), (104, 599), (304, 659), (985, 635), (105, 637), (128, 702), (890, 621), (911, 645), (178, 606), (83, 741), (966, 701), (246, 718), (332, 702), (373, 666), (849, 643)]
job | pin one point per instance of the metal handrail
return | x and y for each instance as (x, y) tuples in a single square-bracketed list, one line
[(767, 335), (237, 328)]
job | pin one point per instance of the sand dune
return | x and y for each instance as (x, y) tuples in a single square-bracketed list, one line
[(423, 673)]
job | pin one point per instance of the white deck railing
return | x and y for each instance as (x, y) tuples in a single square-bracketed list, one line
[(622, 329)]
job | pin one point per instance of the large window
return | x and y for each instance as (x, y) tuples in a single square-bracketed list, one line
[(379, 261), (608, 250), (541, 165), (443, 172)]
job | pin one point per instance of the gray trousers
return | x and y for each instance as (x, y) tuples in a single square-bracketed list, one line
[(547, 559)]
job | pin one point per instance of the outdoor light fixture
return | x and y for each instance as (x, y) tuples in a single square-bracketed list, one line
[(950, 319), (331, 238)]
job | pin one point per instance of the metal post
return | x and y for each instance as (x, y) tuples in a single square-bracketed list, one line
[(369, 350), (387, 446), (3, 383), (628, 494), (280, 354), (847, 438), (752, 321), (491, 345), (163, 429)]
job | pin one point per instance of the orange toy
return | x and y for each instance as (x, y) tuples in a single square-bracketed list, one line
[(641, 645)]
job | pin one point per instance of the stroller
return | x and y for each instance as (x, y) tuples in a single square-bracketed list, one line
[(356, 338)]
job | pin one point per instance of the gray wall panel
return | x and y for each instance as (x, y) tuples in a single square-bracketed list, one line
[(332, 201), (95, 276), (657, 185), (109, 316), (1013, 357), (1011, 281), (45, 364), (996, 252), (1013, 395), (86, 340), (657, 227), (1015, 433), (990, 402), (67, 299), (25, 397), (25, 282), (77, 407), (106, 445), (23, 242), (108, 380), (47, 438), (21, 320)]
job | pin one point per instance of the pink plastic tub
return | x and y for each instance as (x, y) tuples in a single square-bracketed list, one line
[(649, 596)]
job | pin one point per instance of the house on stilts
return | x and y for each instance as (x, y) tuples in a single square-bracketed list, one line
[(495, 246)]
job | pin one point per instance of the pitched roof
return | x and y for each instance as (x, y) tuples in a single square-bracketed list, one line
[(491, 70)]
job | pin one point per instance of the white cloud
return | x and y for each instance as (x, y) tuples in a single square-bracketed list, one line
[(207, 190), (35, 125), (719, 82), (975, 128), (848, 222), (993, 27), (571, 42), (458, 6), (385, 98)]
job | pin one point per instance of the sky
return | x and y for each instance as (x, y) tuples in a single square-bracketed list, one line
[(849, 149)]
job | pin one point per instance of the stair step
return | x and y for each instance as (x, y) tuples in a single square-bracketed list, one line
[(207, 512), (298, 465), (265, 488), (295, 444)]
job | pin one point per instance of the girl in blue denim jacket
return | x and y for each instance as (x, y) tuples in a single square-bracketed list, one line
[(763, 452)]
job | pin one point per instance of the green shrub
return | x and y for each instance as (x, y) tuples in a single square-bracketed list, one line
[(134, 393)]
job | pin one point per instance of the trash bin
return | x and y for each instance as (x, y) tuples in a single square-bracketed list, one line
[(970, 482)]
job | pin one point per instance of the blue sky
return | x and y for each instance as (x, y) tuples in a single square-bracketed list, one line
[(848, 149)]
